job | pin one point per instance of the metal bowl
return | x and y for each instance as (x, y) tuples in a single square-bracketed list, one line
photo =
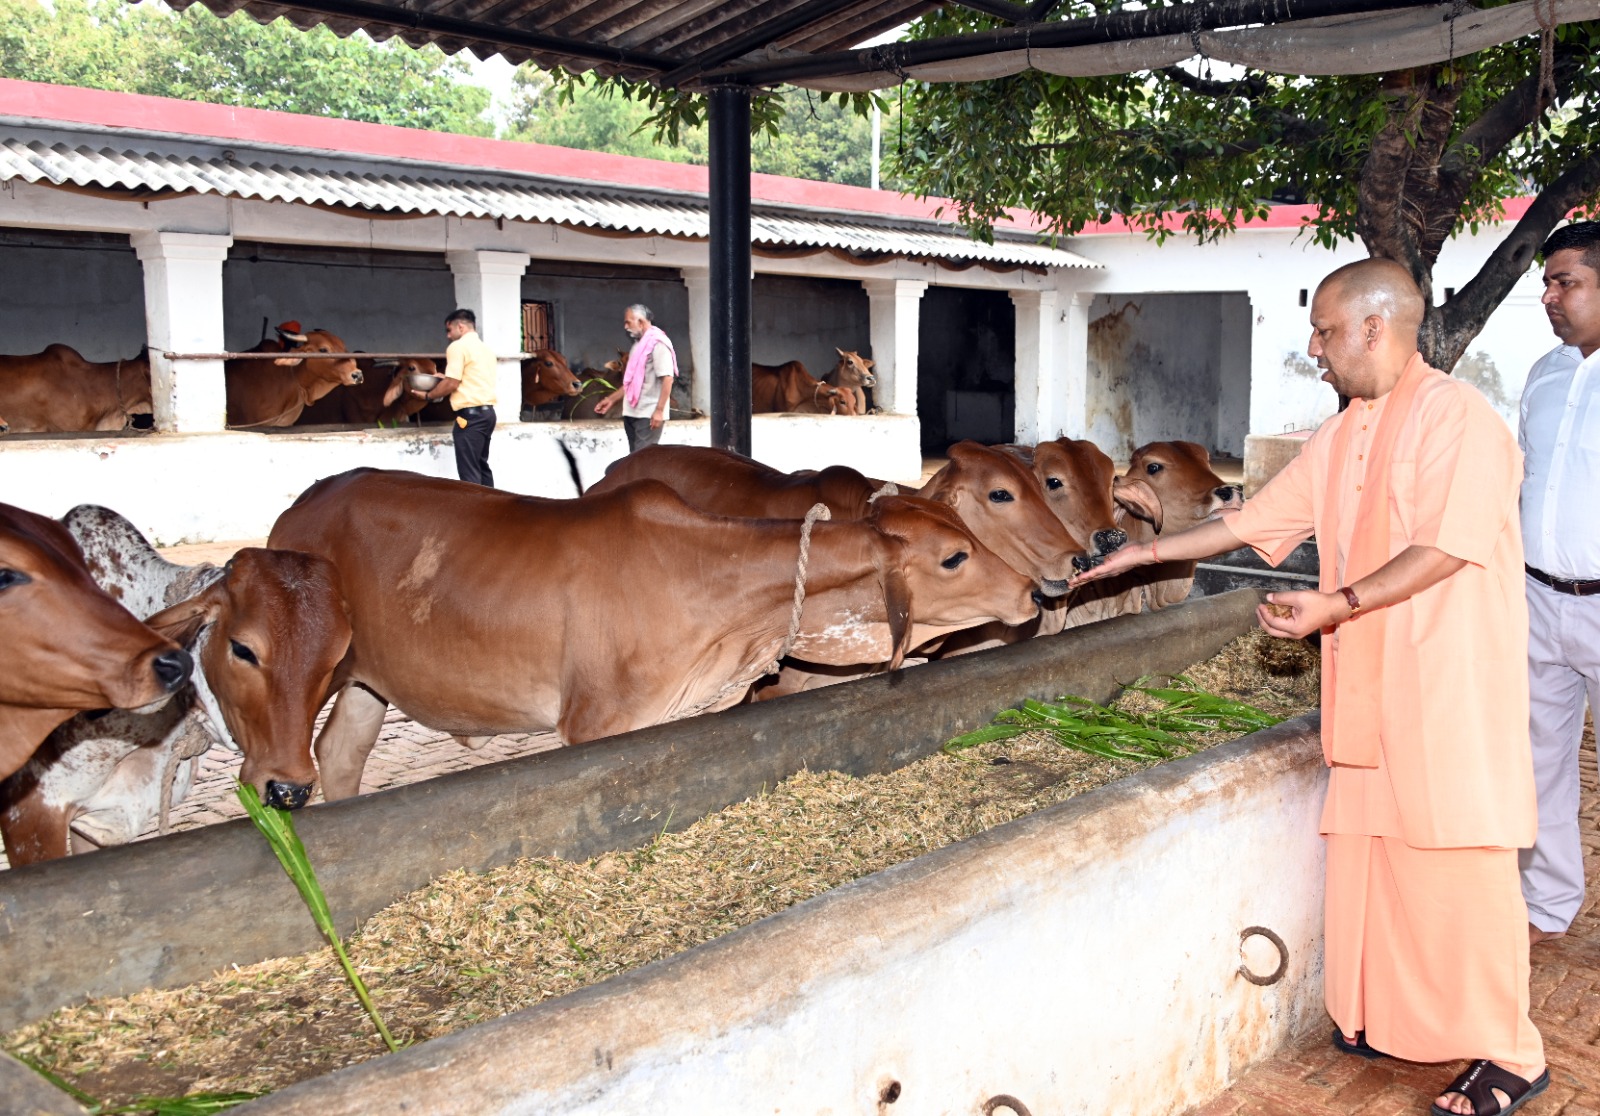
[(421, 381)]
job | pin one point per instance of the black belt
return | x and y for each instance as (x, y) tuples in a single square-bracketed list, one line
[(1565, 585), (478, 410)]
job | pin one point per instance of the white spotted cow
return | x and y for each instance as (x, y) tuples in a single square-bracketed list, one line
[(266, 632)]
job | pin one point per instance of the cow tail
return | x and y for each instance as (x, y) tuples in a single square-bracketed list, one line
[(572, 466)]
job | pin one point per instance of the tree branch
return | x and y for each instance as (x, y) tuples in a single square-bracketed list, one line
[(1483, 140), (1451, 327), (1248, 87)]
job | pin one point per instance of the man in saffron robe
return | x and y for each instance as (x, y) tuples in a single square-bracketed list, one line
[(1412, 495)]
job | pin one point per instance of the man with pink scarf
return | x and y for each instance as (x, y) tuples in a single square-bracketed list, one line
[(646, 391)]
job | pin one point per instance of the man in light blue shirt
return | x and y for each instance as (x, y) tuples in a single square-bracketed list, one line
[(1560, 437)]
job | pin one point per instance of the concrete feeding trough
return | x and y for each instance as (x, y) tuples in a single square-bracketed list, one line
[(1130, 950)]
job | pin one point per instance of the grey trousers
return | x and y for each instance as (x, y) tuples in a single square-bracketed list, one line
[(640, 433), (1563, 675)]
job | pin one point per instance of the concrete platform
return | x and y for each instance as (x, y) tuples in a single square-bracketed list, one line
[(1313, 1079)]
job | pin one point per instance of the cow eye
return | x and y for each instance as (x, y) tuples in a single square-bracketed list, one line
[(954, 560), (1000, 496), (1154, 467), (240, 651), (1053, 483), (8, 578)]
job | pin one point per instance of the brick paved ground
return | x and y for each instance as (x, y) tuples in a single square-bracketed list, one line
[(1315, 1080)]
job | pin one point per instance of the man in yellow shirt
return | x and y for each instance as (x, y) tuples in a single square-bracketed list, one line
[(469, 380)]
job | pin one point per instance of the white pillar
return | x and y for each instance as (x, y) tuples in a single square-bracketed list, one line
[(894, 306), (183, 314), (490, 285), (1072, 357), (698, 280), (1037, 374)]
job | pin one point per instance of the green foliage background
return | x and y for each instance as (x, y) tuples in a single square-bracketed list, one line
[(195, 56)]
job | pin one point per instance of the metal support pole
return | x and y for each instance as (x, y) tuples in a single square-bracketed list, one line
[(730, 267)]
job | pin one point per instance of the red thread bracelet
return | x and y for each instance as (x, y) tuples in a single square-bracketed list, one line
[(1154, 557)]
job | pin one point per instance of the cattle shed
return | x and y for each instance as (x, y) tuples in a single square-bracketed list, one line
[(194, 228)]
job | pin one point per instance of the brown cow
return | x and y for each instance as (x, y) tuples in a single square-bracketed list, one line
[(725, 483), (546, 378), (1076, 478), (1169, 486), (449, 627), (266, 631), (274, 392), (380, 399), (790, 389), (68, 645), (57, 391), (851, 375)]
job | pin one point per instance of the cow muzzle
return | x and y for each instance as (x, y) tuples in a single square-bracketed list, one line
[(287, 796), (1107, 540), (1055, 587), (172, 669)]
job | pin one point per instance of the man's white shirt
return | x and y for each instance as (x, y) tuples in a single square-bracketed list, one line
[(1559, 433)]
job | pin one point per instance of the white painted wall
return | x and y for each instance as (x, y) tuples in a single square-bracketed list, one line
[(1272, 267), (210, 487), (1083, 960)]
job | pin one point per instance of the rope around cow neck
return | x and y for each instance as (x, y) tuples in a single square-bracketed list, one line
[(802, 570)]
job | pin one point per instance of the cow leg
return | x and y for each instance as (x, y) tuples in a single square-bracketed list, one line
[(347, 740)]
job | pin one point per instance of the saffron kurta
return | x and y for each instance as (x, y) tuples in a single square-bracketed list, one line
[(1426, 933)]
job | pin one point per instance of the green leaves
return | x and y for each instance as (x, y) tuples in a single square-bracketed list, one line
[(1103, 730), (277, 826), (109, 44)]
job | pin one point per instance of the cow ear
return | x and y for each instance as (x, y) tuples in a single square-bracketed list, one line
[(289, 362), (865, 361), (1138, 498), (397, 387), (897, 602), (182, 622)]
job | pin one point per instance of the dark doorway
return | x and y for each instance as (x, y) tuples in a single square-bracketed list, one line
[(966, 367)]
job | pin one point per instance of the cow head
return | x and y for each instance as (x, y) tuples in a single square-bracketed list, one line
[(546, 377), (269, 634), (398, 402), (829, 400), (945, 579), (4, 426), (996, 495), (321, 376), (853, 368), (1076, 477), (1172, 482), (68, 645)]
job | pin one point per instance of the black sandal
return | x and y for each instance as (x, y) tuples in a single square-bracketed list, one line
[(1361, 1048), (1479, 1081)]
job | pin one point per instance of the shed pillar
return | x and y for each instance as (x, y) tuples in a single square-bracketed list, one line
[(1072, 358), (698, 280), (1040, 414), (490, 285), (730, 311), (183, 314), (895, 321)]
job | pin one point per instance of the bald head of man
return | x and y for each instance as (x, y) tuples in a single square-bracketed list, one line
[(1364, 322)]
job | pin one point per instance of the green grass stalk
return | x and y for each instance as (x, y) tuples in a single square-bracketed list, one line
[(277, 826)]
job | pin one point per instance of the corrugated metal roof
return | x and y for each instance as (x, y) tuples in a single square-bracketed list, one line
[(142, 174), (638, 39)]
